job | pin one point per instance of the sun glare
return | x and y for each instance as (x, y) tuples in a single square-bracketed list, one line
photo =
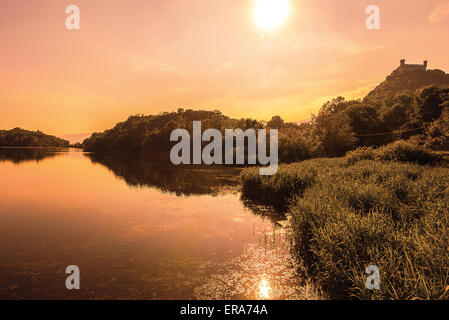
[(264, 290), (271, 14)]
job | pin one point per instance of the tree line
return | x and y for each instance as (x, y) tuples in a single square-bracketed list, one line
[(18, 137), (340, 126)]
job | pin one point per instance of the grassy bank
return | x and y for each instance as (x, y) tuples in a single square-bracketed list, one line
[(349, 213)]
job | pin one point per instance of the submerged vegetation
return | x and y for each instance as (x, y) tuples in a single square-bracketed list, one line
[(349, 213)]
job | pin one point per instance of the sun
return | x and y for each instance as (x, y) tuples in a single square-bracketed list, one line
[(271, 14)]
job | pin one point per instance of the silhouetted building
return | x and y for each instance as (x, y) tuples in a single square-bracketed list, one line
[(411, 67)]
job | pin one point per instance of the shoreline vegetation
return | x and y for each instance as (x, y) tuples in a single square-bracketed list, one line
[(373, 206), (18, 137)]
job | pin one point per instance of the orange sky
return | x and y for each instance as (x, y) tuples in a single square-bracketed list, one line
[(149, 56)]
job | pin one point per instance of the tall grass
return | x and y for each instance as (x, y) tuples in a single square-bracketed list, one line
[(397, 151), (346, 217), (279, 189)]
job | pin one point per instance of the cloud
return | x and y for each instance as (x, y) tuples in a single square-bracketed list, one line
[(440, 13)]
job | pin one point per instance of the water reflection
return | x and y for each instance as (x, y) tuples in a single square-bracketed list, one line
[(181, 180), (261, 210), (167, 233), (264, 292), (19, 155)]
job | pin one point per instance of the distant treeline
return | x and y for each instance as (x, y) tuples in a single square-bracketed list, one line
[(18, 137), (339, 126), (146, 135)]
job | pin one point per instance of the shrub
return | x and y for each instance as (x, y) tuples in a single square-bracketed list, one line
[(397, 151), (359, 154)]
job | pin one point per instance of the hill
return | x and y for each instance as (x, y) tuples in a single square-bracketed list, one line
[(407, 83), (18, 137)]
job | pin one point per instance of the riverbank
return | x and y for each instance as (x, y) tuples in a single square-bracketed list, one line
[(349, 213)]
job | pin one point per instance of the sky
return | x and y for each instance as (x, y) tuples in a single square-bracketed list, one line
[(150, 56)]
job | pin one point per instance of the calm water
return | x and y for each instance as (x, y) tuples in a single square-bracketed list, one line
[(136, 230)]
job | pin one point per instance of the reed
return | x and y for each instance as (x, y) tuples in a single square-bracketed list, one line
[(347, 216)]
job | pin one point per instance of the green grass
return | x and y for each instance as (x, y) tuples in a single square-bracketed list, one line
[(347, 216)]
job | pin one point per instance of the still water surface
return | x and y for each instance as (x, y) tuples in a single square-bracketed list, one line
[(136, 230)]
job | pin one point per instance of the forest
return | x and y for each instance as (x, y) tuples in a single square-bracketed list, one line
[(340, 126), (18, 137)]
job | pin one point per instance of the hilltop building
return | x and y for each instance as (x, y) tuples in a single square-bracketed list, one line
[(403, 67)]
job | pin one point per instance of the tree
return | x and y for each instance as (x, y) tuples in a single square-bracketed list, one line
[(276, 122), (428, 104), (332, 128)]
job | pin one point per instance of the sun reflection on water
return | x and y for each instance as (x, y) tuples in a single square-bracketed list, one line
[(264, 290)]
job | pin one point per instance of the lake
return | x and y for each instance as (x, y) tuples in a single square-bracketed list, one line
[(136, 230)]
